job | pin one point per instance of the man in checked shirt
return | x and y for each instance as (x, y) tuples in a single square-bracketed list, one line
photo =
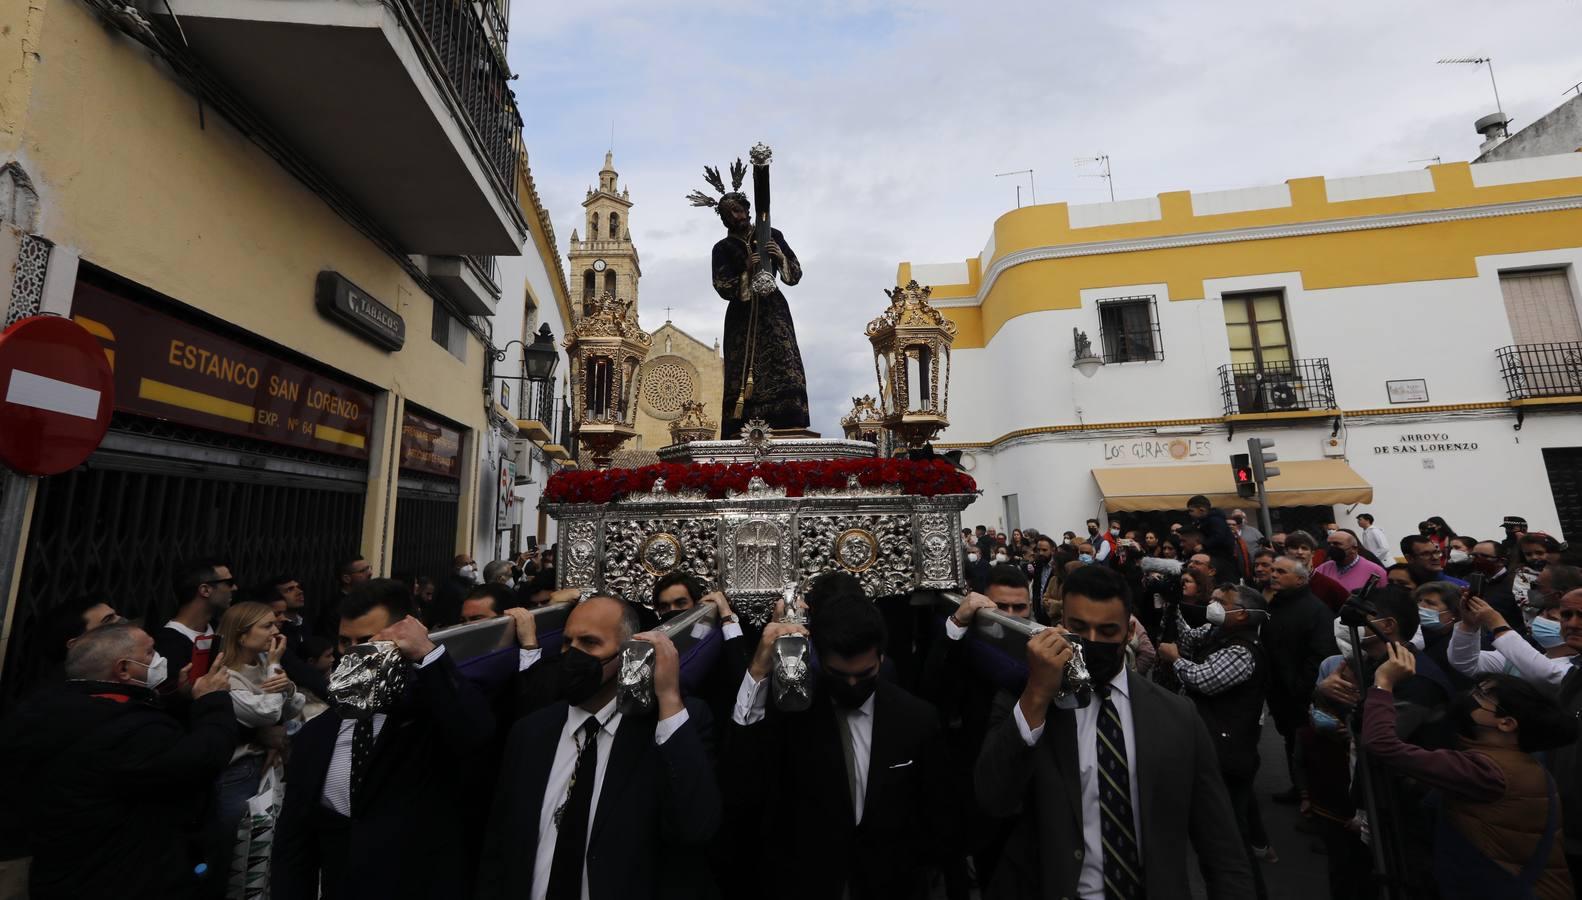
[(1222, 667)]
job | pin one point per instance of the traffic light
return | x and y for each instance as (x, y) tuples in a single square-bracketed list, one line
[(1262, 452), (1241, 465)]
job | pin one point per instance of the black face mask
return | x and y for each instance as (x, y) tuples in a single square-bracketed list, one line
[(1105, 659), (1460, 711), (581, 675), (845, 694), (665, 617)]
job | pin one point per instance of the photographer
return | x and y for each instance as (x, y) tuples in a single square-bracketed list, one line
[(1538, 667), (1494, 792)]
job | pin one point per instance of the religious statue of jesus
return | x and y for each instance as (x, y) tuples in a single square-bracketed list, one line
[(764, 378)]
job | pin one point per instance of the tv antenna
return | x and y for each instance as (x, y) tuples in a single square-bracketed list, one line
[(1032, 186), (1478, 61), (1433, 159), (1575, 88), (1103, 161)]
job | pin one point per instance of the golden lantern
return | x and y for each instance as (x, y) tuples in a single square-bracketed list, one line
[(864, 422), (607, 349), (911, 353), (691, 425)]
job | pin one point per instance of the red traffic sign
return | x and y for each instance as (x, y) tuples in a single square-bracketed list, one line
[(56, 395)]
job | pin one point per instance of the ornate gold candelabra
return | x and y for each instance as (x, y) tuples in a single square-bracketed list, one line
[(606, 349), (911, 344)]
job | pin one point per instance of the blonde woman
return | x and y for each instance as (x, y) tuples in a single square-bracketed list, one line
[(264, 700)]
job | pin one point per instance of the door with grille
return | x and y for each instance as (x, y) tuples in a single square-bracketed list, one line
[(1565, 483), (119, 527), (425, 527)]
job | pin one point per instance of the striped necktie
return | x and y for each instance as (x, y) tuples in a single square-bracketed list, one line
[(1123, 871)]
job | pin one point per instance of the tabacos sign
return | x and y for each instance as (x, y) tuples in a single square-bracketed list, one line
[(1145, 451), (1425, 442)]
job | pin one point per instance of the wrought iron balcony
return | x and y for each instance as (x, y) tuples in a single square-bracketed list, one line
[(1295, 386), (1534, 371), (475, 64)]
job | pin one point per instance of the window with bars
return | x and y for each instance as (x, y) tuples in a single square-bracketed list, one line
[(1129, 329)]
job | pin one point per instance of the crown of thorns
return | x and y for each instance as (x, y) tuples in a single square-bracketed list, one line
[(738, 172)]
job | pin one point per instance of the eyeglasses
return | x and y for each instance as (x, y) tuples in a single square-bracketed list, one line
[(226, 581)]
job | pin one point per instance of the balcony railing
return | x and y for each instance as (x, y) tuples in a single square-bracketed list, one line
[(475, 66), (1295, 386), (1541, 370), (598, 246), (487, 268)]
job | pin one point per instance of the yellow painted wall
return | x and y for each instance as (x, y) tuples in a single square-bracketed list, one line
[(127, 177), (1343, 259)]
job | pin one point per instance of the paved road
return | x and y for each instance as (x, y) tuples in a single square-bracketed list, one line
[(1301, 873)]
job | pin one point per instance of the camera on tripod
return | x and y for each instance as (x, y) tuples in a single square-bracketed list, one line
[(1359, 608)]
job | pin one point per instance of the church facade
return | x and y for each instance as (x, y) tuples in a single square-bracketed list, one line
[(679, 367)]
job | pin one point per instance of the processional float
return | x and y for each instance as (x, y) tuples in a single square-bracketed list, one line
[(757, 515)]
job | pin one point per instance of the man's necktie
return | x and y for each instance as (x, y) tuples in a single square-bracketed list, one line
[(362, 749), (571, 819), (1123, 871)]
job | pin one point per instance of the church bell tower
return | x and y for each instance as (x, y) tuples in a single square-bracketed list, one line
[(605, 261)]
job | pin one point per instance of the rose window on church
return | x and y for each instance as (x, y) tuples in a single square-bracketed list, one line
[(667, 384)]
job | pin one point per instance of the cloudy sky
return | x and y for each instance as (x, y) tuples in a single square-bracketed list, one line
[(889, 120)]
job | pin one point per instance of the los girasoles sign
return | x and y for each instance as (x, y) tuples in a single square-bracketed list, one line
[(169, 369)]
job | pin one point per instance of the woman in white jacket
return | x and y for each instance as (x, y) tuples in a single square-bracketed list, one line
[(265, 702)]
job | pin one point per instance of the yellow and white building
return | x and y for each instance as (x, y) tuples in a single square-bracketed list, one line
[(318, 194), (1409, 340)]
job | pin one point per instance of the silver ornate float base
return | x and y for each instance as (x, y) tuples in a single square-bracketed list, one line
[(751, 545)]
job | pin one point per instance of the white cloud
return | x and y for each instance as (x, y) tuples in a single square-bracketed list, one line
[(889, 120)]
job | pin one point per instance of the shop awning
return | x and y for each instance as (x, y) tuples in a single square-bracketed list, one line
[(1304, 482)]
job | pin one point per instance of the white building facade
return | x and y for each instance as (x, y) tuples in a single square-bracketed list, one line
[(1410, 341)]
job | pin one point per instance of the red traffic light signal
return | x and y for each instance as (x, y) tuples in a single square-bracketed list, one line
[(1241, 468)]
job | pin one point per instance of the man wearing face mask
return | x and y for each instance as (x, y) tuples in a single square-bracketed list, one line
[(1221, 667), (114, 783), (1438, 611), (858, 778), (596, 804), (378, 806), (1072, 771), (1103, 542), (1299, 636)]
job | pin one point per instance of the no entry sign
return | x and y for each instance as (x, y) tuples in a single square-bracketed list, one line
[(55, 395)]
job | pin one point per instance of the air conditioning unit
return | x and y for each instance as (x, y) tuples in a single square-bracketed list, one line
[(1281, 391)]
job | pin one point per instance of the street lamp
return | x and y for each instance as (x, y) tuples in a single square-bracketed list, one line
[(540, 357)]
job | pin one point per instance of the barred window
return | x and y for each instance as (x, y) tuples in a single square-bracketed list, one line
[(1129, 329)]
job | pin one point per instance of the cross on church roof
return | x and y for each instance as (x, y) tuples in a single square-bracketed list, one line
[(667, 314)]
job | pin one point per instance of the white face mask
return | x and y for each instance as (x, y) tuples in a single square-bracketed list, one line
[(467, 571), (1001, 557), (972, 557), (1215, 613), (157, 670), (1459, 556)]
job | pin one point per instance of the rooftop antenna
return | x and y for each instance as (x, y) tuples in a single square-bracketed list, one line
[(1104, 161), (1575, 88), (1032, 186), (1433, 159), (1478, 61)]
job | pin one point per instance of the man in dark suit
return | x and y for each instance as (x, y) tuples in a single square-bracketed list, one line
[(1112, 791), (592, 803), (374, 808), (857, 780)]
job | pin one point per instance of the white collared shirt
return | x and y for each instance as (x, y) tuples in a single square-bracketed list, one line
[(336, 795), (190, 635), (753, 698), (559, 783), (1090, 885)]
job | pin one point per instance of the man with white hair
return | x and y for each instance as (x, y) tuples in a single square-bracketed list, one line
[(1300, 635), (113, 782)]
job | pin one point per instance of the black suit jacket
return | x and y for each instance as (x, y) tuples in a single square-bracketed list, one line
[(654, 799), (792, 765), (406, 834), (1179, 787)]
